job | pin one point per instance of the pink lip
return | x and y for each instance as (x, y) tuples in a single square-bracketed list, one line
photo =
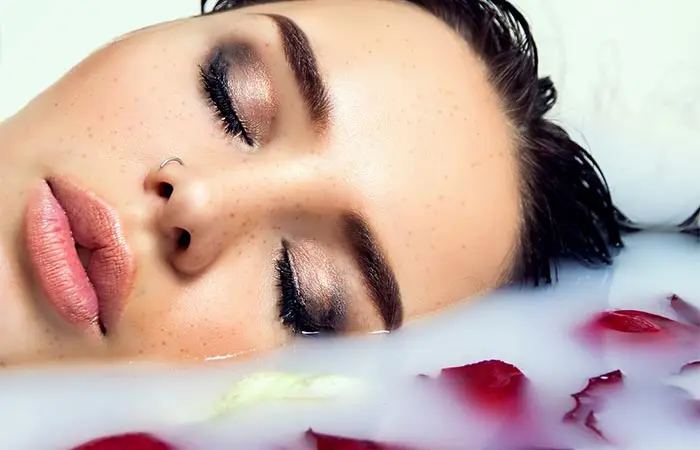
[(61, 214)]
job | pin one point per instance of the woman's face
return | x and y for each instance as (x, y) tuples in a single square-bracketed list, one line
[(347, 168)]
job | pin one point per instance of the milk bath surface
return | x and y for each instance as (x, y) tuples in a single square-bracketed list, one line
[(538, 345)]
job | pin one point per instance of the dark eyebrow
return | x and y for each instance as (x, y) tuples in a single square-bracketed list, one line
[(378, 275), (302, 60)]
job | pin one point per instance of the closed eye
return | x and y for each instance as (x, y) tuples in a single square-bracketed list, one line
[(300, 315), (214, 78)]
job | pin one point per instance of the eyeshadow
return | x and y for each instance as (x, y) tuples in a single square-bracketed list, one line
[(251, 88), (320, 285)]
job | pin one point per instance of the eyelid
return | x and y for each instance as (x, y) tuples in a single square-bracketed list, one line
[(319, 281), (251, 87), (215, 79)]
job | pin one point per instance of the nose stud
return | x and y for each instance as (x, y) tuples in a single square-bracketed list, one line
[(169, 160)]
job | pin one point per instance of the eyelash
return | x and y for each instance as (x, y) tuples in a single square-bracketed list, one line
[(214, 81), (292, 308)]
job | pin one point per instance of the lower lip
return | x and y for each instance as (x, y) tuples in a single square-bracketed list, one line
[(55, 259)]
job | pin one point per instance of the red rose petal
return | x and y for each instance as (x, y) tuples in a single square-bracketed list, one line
[(639, 325), (630, 321), (694, 408), (329, 442), (589, 400), (685, 310), (592, 424), (493, 385), (690, 367), (131, 441)]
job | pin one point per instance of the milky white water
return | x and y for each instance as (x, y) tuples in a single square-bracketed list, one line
[(532, 330)]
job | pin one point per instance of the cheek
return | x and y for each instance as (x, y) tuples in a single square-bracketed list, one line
[(219, 315), (127, 100)]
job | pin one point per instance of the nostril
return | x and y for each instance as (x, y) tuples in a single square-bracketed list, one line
[(183, 240), (165, 190)]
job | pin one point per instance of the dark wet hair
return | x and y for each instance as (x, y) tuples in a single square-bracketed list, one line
[(567, 212)]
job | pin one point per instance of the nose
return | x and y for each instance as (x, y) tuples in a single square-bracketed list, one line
[(190, 221), (204, 211)]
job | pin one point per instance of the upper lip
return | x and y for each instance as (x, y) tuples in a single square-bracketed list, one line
[(93, 225)]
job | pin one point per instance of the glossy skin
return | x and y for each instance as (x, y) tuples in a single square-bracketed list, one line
[(417, 143)]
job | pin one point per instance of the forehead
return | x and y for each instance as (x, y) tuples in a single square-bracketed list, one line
[(420, 134)]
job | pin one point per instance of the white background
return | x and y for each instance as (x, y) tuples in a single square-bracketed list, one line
[(628, 73)]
